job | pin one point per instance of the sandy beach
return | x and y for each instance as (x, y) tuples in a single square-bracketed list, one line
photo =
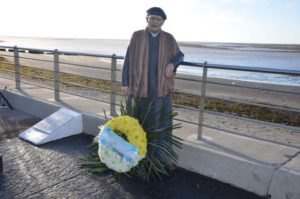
[(243, 91), (233, 90)]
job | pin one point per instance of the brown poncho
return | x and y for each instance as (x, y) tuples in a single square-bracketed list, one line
[(138, 63)]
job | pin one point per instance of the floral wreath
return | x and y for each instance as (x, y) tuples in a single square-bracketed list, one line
[(129, 144), (115, 152)]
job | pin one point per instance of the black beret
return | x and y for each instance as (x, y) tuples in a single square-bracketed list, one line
[(157, 11)]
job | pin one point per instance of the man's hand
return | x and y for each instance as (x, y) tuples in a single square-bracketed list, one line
[(169, 70), (125, 90)]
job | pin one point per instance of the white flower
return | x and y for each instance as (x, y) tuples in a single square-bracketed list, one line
[(112, 158)]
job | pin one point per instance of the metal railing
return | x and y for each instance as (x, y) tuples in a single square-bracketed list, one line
[(113, 69)]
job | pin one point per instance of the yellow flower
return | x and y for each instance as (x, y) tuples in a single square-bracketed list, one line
[(134, 132)]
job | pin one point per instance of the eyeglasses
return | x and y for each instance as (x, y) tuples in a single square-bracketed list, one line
[(155, 18)]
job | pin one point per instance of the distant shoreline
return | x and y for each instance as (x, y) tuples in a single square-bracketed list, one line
[(195, 44), (239, 46)]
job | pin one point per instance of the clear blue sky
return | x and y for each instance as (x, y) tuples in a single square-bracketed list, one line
[(249, 21)]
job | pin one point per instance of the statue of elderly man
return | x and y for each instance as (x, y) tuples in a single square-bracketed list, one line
[(149, 68)]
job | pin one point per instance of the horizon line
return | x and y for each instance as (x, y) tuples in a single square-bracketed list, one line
[(179, 41)]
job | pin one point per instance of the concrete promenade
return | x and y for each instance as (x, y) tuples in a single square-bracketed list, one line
[(51, 171), (264, 168)]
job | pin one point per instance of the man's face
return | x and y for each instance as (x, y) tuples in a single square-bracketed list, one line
[(155, 22)]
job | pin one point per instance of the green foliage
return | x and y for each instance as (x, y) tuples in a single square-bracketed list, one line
[(160, 158)]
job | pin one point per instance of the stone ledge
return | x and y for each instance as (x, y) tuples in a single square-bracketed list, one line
[(254, 175), (226, 168)]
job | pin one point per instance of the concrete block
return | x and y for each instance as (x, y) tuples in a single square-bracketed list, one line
[(239, 172), (60, 124)]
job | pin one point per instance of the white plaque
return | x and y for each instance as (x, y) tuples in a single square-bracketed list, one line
[(60, 124), (54, 121)]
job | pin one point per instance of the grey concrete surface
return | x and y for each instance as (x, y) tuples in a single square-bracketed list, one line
[(243, 162)]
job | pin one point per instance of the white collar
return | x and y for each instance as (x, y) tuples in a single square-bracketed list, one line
[(154, 34)]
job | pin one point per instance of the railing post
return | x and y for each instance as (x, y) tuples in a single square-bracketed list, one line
[(17, 68), (202, 101), (113, 85), (56, 76)]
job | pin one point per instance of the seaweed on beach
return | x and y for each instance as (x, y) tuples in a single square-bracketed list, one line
[(238, 109)]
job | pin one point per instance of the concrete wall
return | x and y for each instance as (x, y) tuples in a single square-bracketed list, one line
[(248, 175), (30, 105), (42, 109)]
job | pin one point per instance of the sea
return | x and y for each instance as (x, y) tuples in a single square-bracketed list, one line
[(275, 56)]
